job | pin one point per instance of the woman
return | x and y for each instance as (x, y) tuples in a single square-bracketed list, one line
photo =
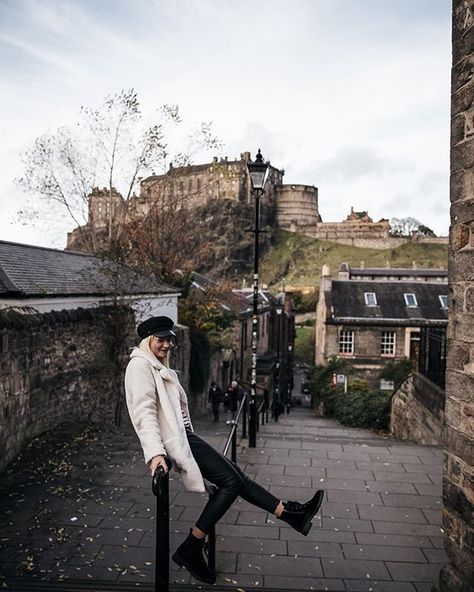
[(159, 412)]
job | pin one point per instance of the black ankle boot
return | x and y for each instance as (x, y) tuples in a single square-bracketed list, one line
[(299, 516), (190, 555)]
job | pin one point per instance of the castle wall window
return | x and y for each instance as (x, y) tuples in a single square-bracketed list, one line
[(190, 185), (370, 298), (387, 343), (444, 300), (410, 300), (346, 341), (199, 184)]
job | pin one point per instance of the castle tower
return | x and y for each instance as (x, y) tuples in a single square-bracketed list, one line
[(297, 208)]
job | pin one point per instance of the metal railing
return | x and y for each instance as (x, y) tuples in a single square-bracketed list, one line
[(160, 488), (432, 361)]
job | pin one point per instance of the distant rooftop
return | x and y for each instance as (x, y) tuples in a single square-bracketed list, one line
[(28, 270), (349, 303)]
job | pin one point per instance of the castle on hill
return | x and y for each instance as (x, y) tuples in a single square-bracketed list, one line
[(295, 206)]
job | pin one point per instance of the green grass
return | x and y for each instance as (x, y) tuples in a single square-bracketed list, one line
[(304, 345), (297, 260)]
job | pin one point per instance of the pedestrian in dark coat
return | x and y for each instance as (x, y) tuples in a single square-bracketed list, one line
[(215, 398)]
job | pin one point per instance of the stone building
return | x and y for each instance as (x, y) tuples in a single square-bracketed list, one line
[(358, 230), (458, 488), (369, 323)]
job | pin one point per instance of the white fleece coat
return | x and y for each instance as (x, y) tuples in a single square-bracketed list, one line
[(156, 402)]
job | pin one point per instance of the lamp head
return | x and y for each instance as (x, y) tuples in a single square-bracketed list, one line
[(258, 172)]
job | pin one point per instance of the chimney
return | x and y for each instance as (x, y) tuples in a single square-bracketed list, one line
[(325, 279)]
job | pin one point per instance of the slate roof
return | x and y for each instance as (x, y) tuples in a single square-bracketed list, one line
[(229, 300), (27, 270), (347, 303)]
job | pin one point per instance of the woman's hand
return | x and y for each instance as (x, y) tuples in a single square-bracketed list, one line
[(158, 461)]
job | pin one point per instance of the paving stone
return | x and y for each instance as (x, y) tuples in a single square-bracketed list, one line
[(438, 540), (355, 497), (307, 471), (240, 580), (355, 569), (227, 542), (350, 525), (391, 487), (410, 572), (319, 535), (378, 466), (346, 485), (414, 501), (405, 528), (296, 582), (327, 463), (433, 516), (314, 549), (348, 474), (411, 515), (371, 586), (400, 540), (402, 477), (383, 553), (431, 469), (428, 489), (278, 565), (435, 555), (345, 511)]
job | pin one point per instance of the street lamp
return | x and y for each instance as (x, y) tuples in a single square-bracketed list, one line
[(276, 400), (290, 378), (258, 173)]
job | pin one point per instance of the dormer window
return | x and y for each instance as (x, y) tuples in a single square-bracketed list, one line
[(370, 298), (410, 300), (444, 300)]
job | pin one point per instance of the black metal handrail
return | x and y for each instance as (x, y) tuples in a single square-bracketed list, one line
[(232, 437), (160, 488)]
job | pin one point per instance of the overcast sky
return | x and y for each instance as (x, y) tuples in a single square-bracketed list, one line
[(349, 95)]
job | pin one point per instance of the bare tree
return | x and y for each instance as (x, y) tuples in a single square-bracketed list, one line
[(404, 226), (111, 146)]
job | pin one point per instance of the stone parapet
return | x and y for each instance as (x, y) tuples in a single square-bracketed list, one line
[(417, 411)]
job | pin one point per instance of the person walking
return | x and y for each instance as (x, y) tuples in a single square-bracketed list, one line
[(158, 408), (215, 398)]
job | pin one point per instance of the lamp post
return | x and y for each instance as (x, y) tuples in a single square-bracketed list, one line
[(258, 172), (290, 378), (276, 401)]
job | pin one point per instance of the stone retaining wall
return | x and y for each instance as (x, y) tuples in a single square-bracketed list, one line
[(417, 411), (55, 367)]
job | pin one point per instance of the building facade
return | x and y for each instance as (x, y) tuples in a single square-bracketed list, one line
[(369, 323)]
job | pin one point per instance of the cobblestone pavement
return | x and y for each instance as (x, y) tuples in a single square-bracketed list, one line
[(78, 505)]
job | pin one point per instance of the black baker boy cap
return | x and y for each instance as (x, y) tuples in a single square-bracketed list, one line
[(158, 326)]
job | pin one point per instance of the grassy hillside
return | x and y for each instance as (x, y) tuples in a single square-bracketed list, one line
[(297, 260)]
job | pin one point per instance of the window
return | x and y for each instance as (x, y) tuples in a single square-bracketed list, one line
[(370, 298), (386, 385), (410, 300), (387, 343), (346, 341), (444, 300)]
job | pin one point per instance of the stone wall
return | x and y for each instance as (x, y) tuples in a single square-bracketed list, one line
[(65, 366), (458, 487), (54, 367), (417, 411)]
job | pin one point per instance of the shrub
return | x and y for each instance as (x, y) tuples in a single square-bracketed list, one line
[(359, 407), (304, 345), (397, 371)]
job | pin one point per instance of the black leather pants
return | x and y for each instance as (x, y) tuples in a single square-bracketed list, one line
[(231, 482)]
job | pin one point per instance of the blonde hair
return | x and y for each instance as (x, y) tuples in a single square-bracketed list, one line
[(144, 345)]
